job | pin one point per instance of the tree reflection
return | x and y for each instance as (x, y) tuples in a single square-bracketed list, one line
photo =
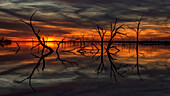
[(83, 50), (63, 61), (110, 45), (137, 30), (42, 57), (113, 32), (4, 42), (18, 48), (101, 33)]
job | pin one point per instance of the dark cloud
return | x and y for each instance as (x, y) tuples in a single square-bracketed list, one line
[(19, 26), (83, 13)]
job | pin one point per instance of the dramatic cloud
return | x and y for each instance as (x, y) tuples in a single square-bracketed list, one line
[(82, 14)]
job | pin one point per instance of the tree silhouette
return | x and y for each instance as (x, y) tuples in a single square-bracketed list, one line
[(43, 56)]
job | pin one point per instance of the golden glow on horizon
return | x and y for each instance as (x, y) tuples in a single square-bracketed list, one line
[(52, 39), (87, 33)]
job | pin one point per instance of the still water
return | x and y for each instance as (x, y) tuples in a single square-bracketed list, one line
[(80, 62)]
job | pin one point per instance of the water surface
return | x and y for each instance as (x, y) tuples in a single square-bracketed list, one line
[(80, 64)]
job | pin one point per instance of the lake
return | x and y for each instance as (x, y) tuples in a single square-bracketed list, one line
[(144, 68)]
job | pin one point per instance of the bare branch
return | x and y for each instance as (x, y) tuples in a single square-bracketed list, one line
[(18, 48)]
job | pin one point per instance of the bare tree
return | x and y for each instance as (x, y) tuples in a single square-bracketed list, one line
[(43, 56), (101, 33), (137, 30)]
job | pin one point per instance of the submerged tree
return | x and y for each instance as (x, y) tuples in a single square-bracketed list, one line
[(43, 56), (114, 30), (64, 61), (101, 33), (137, 31)]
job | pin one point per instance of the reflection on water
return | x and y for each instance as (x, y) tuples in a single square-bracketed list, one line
[(75, 61), (4, 43)]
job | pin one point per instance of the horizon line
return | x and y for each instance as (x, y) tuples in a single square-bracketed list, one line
[(96, 41)]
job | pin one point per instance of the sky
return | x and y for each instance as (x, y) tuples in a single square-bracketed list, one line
[(70, 19)]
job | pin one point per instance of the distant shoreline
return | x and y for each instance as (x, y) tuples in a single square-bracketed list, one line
[(140, 42)]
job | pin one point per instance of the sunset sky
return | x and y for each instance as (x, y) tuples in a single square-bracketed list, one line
[(68, 19)]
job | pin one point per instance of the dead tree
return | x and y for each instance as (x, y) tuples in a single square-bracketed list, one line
[(43, 56), (101, 33), (113, 32), (137, 30), (63, 61), (18, 48)]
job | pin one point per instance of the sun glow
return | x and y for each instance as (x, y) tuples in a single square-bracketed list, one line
[(52, 39)]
